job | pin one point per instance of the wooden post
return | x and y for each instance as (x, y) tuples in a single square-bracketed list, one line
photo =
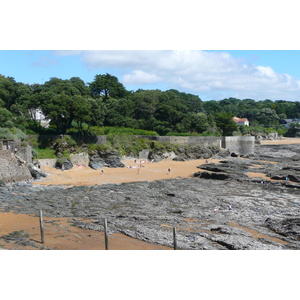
[(174, 238), (105, 234), (42, 226)]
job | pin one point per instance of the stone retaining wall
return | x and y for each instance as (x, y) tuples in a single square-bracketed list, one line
[(11, 169), (186, 140), (241, 145), (80, 159)]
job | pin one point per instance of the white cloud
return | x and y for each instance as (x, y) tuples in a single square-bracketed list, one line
[(140, 77), (208, 74)]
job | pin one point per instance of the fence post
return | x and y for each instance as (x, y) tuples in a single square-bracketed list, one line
[(42, 226), (174, 238), (105, 234)]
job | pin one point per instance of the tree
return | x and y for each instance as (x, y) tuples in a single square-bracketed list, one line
[(192, 102), (8, 88), (5, 116), (107, 86), (193, 123), (225, 123), (294, 130), (267, 117)]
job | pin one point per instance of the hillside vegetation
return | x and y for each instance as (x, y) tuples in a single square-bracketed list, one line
[(105, 107)]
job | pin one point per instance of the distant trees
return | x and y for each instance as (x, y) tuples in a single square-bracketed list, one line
[(74, 104)]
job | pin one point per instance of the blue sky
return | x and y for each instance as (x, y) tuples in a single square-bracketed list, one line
[(219, 74)]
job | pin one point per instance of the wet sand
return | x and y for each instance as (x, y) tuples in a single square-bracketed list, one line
[(60, 234)]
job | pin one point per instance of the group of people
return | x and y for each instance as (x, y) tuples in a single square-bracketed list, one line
[(9, 148)]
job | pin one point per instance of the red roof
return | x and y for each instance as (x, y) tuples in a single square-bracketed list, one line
[(235, 119)]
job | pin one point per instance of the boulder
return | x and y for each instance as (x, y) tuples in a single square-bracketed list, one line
[(64, 164), (96, 162), (109, 158), (35, 172)]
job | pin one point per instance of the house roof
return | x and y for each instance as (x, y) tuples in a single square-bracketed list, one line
[(235, 119), (291, 120)]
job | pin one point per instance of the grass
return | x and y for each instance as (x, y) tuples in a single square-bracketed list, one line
[(45, 153)]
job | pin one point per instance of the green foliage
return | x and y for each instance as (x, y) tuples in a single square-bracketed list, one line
[(12, 134), (225, 123), (127, 131), (127, 144), (33, 142), (102, 147), (45, 153), (182, 134), (77, 108), (294, 130), (210, 133), (107, 86)]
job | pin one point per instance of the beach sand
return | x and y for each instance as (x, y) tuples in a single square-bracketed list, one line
[(61, 234), (83, 175)]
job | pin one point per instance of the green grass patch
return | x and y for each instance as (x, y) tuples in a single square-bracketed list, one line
[(45, 153)]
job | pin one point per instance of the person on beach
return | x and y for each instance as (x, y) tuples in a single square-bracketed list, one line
[(102, 172), (169, 171)]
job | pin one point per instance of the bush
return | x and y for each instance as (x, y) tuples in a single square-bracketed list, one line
[(120, 131), (94, 147), (12, 134), (182, 134), (45, 153)]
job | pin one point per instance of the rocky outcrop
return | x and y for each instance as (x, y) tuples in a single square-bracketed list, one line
[(289, 227), (109, 158), (64, 164), (35, 172), (209, 214), (196, 152)]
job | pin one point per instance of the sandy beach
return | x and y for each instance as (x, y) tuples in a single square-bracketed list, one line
[(60, 234), (133, 172)]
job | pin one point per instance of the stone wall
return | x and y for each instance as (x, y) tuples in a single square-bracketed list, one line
[(25, 153), (186, 140), (11, 169), (241, 145), (80, 159), (48, 162)]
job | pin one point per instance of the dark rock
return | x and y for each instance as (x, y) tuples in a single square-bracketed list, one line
[(295, 158), (289, 227), (96, 162), (35, 172), (64, 164), (212, 175), (114, 162), (109, 158)]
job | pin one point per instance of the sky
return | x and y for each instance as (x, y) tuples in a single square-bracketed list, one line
[(211, 74)]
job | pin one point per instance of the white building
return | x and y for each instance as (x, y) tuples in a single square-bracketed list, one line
[(241, 121)]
